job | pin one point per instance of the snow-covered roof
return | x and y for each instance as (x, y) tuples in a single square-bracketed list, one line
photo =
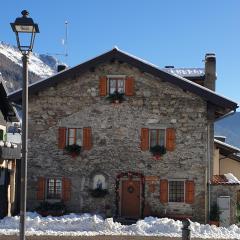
[(186, 72), (231, 147), (225, 179)]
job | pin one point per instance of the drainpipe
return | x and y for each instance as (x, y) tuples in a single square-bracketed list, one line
[(209, 170)]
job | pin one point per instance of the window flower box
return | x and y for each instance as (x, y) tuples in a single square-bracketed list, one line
[(116, 97), (158, 151), (98, 192), (74, 150)]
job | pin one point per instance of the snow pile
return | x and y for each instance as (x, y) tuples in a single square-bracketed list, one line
[(36, 63), (90, 225), (231, 178)]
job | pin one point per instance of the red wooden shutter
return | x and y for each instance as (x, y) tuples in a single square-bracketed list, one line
[(189, 191), (61, 137), (87, 138), (144, 139), (163, 190), (129, 86), (171, 137), (103, 86), (66, 189), (41, 188)]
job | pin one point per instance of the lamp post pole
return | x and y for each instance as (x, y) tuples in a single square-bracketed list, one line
[(24, 147), (24, 27)]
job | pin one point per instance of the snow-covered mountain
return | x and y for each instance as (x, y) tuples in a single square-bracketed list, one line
[(230, 128), (40, 66)]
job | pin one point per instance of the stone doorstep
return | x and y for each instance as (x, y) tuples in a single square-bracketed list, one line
[(125, 221)]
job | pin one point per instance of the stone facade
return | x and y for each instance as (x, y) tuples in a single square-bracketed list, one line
[(116, 136)]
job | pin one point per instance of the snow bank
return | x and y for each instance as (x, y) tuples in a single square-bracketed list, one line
[(90, 225)]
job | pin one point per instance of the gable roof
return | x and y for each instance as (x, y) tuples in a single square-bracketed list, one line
[(223, 104), (8, 111)]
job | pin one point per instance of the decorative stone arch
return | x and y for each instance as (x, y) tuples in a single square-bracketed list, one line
[(98, 180)]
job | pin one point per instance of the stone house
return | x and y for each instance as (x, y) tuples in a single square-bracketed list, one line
[(10, 154), (117, 173), (225, 183)]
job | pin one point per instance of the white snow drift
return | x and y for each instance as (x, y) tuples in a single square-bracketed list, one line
[(89, 225)]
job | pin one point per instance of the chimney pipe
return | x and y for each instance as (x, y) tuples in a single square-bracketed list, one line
[(210, 71)]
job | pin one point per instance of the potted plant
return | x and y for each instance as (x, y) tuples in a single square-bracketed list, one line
[(116, 97), (157, 151), (73, 149), (53, 209), (214, 215)]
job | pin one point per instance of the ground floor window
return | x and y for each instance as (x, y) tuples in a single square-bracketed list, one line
[(176, 191), (54, 188)]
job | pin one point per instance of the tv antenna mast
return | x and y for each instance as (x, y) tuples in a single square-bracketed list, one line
[(64, 43)]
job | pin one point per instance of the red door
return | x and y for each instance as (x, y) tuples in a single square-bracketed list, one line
[(130, 198)]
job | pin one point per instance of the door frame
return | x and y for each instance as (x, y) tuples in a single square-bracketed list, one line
[(128, 176)]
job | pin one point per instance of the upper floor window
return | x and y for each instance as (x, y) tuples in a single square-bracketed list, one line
[(74, 136), (157, 137), (116, 85), (54, 188), (112, 83), (78, 136)]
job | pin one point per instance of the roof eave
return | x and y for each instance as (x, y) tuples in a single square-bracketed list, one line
[(115, 54)]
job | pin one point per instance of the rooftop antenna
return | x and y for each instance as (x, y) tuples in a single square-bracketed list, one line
[(64, 43)]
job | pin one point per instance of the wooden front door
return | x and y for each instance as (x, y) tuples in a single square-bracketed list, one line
[(130, 198)]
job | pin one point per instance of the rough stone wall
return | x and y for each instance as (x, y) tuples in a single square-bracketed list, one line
[(227, 190), (116, 132)]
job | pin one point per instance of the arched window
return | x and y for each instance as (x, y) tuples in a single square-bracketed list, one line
[(99, 182)]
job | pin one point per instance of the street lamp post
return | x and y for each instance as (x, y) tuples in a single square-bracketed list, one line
[(25, 30)]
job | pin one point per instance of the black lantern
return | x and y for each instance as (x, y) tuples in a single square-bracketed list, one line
[(25, 30)]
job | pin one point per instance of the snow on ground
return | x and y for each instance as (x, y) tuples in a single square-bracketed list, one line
[(36, 65), (90, 225)]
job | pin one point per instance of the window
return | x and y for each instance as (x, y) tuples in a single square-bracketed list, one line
[(157, 137), (74, 136), (116, 84), (176, 191), (54, 188)]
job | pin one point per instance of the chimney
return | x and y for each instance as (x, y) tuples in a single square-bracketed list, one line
[(61, 67), (210, 71)]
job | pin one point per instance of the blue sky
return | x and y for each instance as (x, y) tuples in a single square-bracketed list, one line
[(173, 32)]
